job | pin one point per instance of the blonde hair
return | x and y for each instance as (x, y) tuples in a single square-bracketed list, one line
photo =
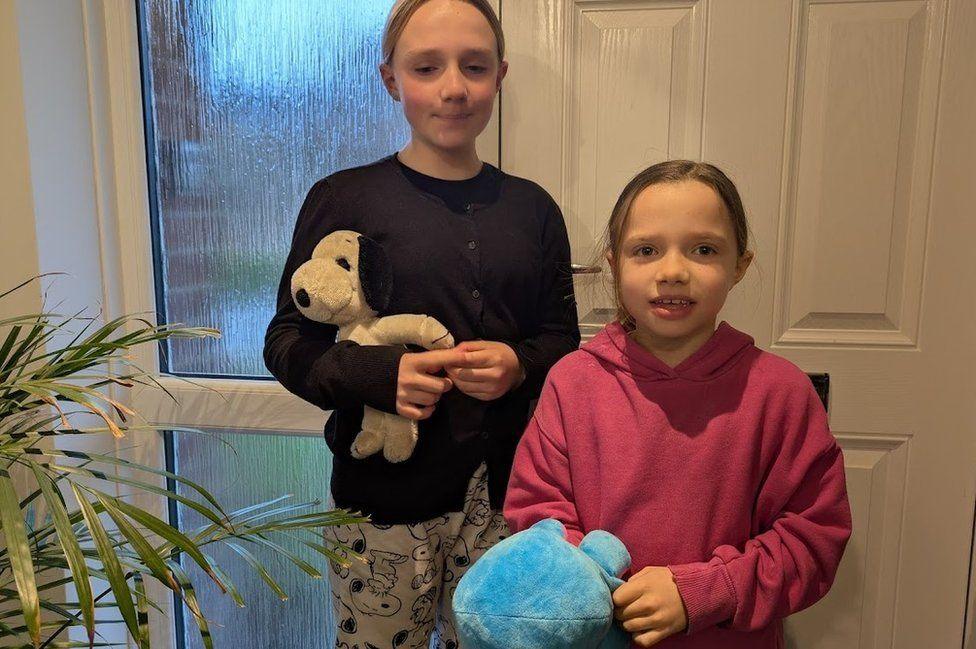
[(671, 171), (403, 10)]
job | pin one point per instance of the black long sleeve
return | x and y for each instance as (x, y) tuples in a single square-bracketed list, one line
[(498, 269), (558, 324)]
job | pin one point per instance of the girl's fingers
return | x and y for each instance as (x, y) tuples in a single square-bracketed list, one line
[(426, 383), (476, 376), (639, 624), (625, 594), (476, 359), (650, 638), (417, 413), (639, 608), (472, 345), (431, 362), (419, 398)]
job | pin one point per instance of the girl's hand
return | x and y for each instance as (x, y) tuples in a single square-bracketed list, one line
[(649, 607), (485, 370), (418, 389)]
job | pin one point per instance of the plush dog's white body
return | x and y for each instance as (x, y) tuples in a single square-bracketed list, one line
[(347, 282), (396, 436)]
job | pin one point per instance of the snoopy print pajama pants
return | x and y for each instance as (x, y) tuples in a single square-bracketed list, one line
[(401, 597)]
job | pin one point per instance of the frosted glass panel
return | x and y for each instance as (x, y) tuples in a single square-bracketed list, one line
[(244, 469), (249, 102)]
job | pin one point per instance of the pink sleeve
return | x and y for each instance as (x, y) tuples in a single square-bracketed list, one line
[(539, 486), (803, 511)]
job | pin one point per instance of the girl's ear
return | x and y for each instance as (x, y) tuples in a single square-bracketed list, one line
[(502, 71), (742, 265), (609, 256), (389, 81)]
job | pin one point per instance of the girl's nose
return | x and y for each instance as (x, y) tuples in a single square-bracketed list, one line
[(454, 87), (672, 269)]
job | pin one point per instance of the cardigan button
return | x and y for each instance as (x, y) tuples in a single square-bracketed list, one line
[(472, 245), (476, 294)]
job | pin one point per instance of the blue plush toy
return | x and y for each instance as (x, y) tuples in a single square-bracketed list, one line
[(535, 590)]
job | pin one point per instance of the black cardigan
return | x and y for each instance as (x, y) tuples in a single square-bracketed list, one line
[(501, 271)]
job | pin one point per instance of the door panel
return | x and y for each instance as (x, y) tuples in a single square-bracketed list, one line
[(845, 124)]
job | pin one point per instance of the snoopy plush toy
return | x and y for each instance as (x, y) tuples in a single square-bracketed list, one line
[(347, 283)]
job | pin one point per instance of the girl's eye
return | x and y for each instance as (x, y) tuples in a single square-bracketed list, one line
[(705, 250), (477, 69), (644, 251), (425, 69)]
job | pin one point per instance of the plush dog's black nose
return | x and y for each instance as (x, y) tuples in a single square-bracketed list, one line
[(302, 298)]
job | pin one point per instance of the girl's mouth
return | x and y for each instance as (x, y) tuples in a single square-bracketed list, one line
[(672, 308)]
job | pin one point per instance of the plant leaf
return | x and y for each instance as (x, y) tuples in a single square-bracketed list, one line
[(139, 542), (110, 562), (261, 570), (108, 459), (305, 566), (180, 541), (72, 550), (189, 596), (15, 535), (142, 605), (143, 486), (231, 589)]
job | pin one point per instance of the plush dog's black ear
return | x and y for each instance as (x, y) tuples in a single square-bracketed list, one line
[(375, 274)]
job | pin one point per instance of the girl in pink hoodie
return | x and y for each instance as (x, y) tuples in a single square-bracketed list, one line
[(708, 457)]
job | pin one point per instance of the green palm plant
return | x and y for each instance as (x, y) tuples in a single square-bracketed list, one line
[(88, 532)]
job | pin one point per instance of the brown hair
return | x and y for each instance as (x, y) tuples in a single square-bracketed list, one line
[(403, 10), (672, 171)]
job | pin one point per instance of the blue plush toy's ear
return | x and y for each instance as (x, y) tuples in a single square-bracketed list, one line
[(375, 274), (550, 525), (609, 553)]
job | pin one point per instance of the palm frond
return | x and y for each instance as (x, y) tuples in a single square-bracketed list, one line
[(67, 530)]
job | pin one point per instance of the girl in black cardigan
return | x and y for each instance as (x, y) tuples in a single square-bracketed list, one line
[(484, 253)]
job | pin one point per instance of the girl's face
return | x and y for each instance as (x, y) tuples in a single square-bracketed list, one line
[(677, 263), (445, 71)]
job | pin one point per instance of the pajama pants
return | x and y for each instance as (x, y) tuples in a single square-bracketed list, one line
[(402, 596)]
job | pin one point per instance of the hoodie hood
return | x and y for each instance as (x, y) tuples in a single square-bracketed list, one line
[(616, 346)]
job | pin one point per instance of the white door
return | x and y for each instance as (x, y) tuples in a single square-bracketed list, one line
[(847, 126)]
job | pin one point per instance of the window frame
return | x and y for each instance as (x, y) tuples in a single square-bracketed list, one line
[(119, 143)]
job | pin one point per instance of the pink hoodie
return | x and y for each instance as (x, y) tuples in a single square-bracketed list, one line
[(722, 469)]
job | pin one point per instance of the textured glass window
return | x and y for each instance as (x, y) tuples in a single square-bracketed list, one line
[(248, 102), (254, 468)]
